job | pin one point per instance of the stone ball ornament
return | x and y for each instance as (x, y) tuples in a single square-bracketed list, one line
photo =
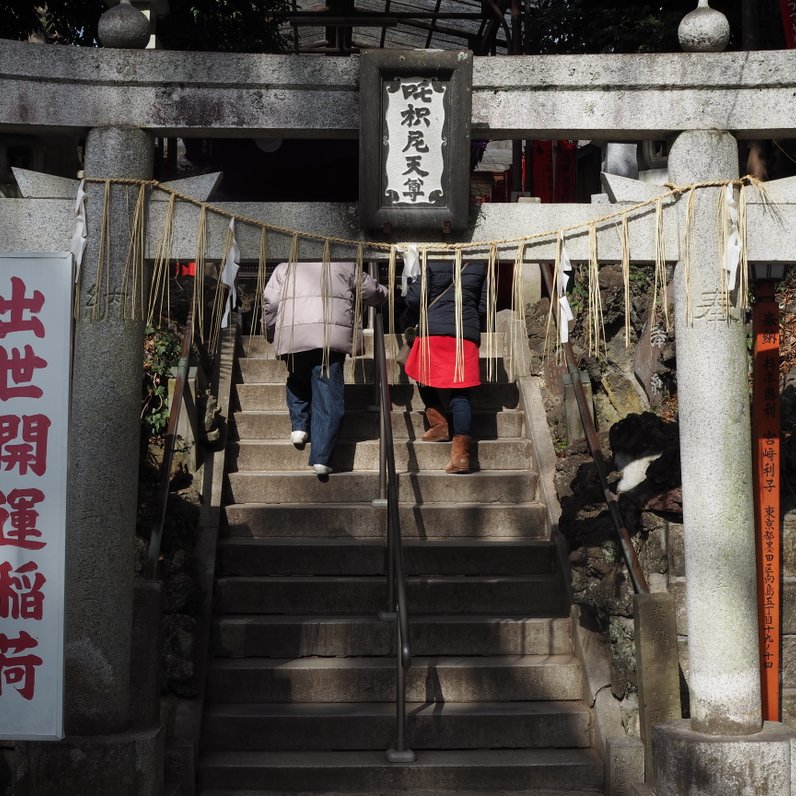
[(124, 27), (704, 30)]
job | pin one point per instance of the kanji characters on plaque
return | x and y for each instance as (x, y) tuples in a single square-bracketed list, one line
[(35, 339), (415, 137)]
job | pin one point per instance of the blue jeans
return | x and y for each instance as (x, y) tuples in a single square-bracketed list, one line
[(316, 399), (458, 402)]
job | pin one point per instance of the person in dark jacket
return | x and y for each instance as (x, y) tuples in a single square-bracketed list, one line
[(445, 360)]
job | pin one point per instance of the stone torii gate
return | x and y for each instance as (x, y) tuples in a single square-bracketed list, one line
[(121, 100)]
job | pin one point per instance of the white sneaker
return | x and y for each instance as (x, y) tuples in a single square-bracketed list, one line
[(322, 469), (298, 437)]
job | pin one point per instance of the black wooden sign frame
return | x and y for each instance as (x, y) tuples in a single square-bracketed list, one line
[(446, 209)]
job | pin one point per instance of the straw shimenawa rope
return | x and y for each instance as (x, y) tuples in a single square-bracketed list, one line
[(133, 278), (674, 192)]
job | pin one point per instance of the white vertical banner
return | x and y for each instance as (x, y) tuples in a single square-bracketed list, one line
[(35, 353)]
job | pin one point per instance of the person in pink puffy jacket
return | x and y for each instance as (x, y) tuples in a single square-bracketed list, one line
[(308, 311)]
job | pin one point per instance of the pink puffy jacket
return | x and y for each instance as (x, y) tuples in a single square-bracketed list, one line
[(303, 310)]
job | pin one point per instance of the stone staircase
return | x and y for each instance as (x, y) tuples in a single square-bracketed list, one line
[(301, 680)]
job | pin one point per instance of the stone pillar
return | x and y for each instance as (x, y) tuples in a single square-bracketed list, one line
[(726, 747), (104, 445), (108, 748), (715, 449)]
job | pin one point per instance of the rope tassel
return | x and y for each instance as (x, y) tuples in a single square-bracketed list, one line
[(257, 304), (491, 313), (458, 370), (595, 314), (660, 269)]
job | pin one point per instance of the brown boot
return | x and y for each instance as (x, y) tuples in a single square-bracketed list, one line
[(437, 427), (460, 455)]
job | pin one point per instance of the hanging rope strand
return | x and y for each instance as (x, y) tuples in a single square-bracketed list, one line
[(425, 352), (555, 306), (518, 311), (595, 315), (103, 255), (458, 315), (257, 304), (491, 312), (690, 215), (160, 275), (743, 290), (625, 239), (134, 262), (660, 269), (199, 278)]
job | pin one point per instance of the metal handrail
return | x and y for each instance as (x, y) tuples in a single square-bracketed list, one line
[(396, 580), (625, 544), (156, 536)]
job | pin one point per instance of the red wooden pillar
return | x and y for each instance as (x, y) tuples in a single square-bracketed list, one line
[(788, 12), (766, 442)]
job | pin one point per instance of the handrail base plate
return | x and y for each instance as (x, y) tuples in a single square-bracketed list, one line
[(400, 756)]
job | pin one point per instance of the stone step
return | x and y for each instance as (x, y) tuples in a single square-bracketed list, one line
[(479, 725), (534, 595), (362, 370), (416, 792), (505, 486), (486, 424), (282, 455), (258, 346), (302, 636), (497, 678), (252, 397), (533, 772), (526, 520), (462, 556)]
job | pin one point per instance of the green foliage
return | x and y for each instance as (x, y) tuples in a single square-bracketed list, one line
[(161, 353), (211, 25), (578, 289), (54, 21), (224, 25), (615, 26), (555, 26), (559, 445)]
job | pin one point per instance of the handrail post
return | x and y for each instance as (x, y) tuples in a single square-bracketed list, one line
[(381, 501), (379, 364), (396, 586)]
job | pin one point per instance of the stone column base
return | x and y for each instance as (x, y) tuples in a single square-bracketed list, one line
[(124, 764), (688, 763)]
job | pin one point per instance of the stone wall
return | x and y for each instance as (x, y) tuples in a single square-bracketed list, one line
[(652, 509)]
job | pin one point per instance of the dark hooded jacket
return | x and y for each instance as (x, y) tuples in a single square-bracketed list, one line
[(442, 315)]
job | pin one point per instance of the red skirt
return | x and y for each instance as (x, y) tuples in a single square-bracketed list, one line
[(437, 367)]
